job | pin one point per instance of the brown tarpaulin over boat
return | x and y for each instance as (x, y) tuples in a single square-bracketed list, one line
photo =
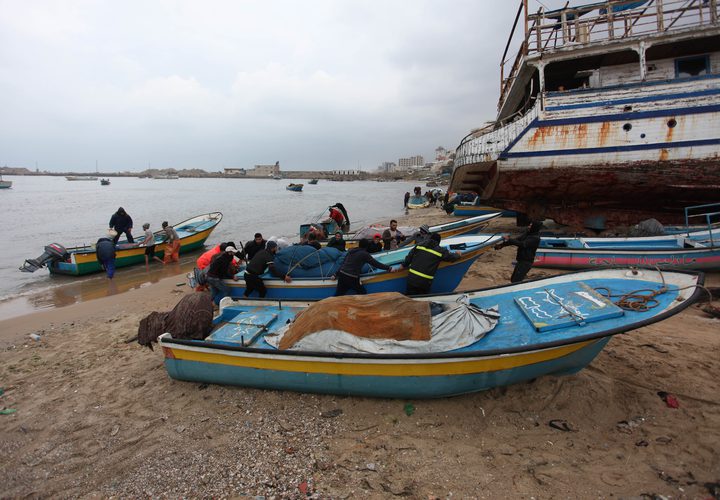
[(387, 315)]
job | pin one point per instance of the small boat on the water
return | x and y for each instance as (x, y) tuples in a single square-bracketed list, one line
[(5, 184), (313, 181), (510, 334), (312, 274), (698, 250), (81, 178), (418, 202), (104, 182), (166, 176), (77, 261), (294, 187)]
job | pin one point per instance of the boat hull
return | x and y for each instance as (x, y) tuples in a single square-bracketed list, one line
[(601, 157), (434, 378), (447, 278), (472, 210), (695, 259)]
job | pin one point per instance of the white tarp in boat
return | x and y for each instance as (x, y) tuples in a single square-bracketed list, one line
[(460, 325)]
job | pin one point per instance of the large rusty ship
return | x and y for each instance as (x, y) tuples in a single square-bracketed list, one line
[(609, 114)]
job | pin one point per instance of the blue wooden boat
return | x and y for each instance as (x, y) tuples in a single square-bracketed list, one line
[(447, 278), (471, 225), (553, 326), (294, 187), (418, 202), (699, 250)]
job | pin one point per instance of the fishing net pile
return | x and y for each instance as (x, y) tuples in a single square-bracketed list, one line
[(385, 323), (191, 318)]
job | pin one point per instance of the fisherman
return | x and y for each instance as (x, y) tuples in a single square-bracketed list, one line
[(392, 237), (121, 222), (105, 253), (423, 261), (376, 244), (337, 241), (527, 244), (313, 242), (204, 260), (261, 262), (254, 246), (221, 268), (149, 244), (348, 276), (172, 244), (336, 216)]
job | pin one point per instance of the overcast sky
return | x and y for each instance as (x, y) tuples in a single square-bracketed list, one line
[(314, 84)]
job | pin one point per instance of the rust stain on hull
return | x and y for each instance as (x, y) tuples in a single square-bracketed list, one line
[(621, 193)]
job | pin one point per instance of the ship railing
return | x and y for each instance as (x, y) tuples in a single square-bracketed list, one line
[(547, 31), (708, 214)]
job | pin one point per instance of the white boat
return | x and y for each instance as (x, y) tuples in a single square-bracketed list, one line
[(608, 115), (5, 184), (166, 176)]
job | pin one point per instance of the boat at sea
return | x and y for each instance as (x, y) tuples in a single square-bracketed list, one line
[(313, 181), (5, 184), (80, 260), (166, 176), (294, 187), (81, 178), (104, 182), (312, 270), (608, 115), (512, 334)]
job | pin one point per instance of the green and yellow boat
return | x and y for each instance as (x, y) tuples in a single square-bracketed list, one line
[(78, 261)]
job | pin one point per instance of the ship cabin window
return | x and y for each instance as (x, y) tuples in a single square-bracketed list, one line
[(692, 66)]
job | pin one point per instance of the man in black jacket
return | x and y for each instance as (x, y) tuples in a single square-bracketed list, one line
[(122, 223), (261, 262), (422, 263), (337, 242), (254, 246), (527, 244), (348, 276)]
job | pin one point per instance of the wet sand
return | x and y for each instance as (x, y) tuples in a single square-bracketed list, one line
[(97, 416)]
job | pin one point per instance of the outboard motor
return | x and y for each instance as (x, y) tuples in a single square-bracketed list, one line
[(53, 252)]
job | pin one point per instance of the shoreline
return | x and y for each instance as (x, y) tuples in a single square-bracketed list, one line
[(97, 416)]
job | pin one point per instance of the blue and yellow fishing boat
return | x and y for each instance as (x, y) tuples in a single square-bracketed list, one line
[(463, 210), (77, 261), (447, 277), (553, 326)]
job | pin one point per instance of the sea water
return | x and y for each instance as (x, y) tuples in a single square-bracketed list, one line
[(38, 210)]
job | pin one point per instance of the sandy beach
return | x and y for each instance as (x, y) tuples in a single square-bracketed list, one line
[(98, 416)]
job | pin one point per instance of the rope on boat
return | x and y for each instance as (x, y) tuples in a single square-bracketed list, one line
[(641, 300)]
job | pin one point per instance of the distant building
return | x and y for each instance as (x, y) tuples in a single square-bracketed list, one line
[(265, 170), (412, 162), (235, 171), (346, 172), (387, 166)]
